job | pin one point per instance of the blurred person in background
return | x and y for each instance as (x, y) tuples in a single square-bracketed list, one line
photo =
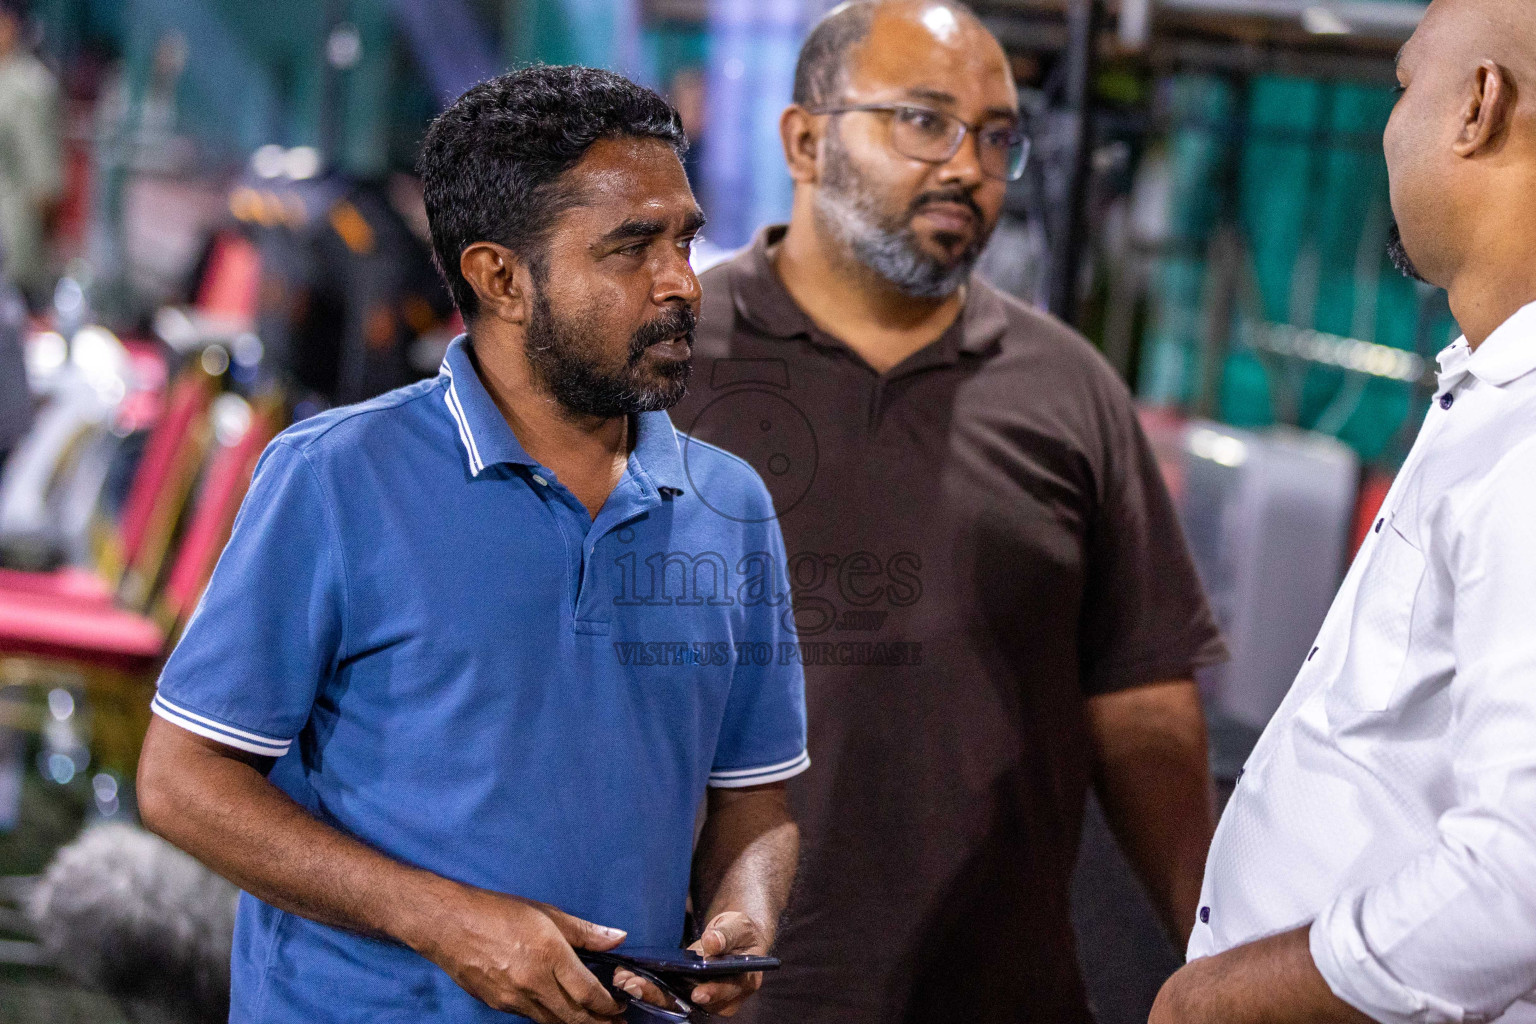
[(1376, 859), (31, 172), (16, 403), (402, 719), (994, 601)]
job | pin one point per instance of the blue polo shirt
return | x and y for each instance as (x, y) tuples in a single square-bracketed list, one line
[(453, 662)]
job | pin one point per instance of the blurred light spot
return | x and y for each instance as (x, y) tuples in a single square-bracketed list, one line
[(68, 297), (105, 787), (302, 162), (101, 360), (215, 360), (61, 704), (174, 327), (734, 68), (61, 768), (231, 418), (345, 47), (267, 161), (46, 354), (1222, 449), (1320, 21), (248, 350)]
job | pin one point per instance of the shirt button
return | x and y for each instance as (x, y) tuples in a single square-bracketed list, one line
[(540, 480), (1205, 915), (1446, 400)]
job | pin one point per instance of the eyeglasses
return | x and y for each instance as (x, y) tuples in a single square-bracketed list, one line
[(935, 137)]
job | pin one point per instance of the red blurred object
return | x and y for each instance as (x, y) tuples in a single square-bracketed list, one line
[(89, 632), (231, 279), (171, 442), (187, 403), (1165, 428), (224, 485), (77, 631)]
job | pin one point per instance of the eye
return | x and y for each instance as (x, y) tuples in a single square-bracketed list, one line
[(633, 249), (1001, 137), (921, 119)]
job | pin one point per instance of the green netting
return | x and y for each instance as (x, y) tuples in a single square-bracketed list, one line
[(1293, 169)]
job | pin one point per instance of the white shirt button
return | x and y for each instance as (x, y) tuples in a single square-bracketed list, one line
[(540, 480)]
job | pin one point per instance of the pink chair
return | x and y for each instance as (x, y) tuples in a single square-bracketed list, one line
[(90, 632), (170, 457)]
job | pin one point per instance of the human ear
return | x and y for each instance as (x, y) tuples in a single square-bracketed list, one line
[(1486, 113), (797, 130), (500, 281)]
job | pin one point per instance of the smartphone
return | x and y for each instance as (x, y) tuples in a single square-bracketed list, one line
[(682, 962)]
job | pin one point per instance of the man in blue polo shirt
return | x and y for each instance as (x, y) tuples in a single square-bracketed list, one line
[(478, 649)]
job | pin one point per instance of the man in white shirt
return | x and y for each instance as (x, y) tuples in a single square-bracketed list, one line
[(1378, 858)]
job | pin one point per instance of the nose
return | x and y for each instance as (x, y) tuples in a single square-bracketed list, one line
[(675, 279), (964, 168)]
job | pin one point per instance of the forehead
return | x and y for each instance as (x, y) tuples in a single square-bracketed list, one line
[(618, 179), (1449, 30), (929, 48)]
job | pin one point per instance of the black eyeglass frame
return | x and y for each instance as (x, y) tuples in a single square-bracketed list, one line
[(965, 129)]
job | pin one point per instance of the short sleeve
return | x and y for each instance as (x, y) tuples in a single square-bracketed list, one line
[(1145, 618), (763, 735), (269, 628)]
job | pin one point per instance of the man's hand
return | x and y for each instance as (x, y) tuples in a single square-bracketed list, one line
[(215, 802), (519, 956), (729, 934)]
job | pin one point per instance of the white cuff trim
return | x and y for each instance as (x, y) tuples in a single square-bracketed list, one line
[(740, 778), (253, 743)]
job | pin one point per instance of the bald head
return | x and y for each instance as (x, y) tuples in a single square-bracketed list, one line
[(1461, 142), (834, 41)]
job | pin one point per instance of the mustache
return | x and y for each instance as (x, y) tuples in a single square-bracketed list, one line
[(679, 320), (946, 195)]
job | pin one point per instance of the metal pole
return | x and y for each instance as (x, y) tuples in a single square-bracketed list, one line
[(1082, 33)]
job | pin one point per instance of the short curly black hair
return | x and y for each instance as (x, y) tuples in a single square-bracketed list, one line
[(491, 164)]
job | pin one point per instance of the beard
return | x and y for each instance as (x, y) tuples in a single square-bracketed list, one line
[(847, 209), (1397, 252), (570, 366)]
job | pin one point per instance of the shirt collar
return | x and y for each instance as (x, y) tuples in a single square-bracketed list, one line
[(761, 299), (487, 439), (1504, 356), (1509, 353)]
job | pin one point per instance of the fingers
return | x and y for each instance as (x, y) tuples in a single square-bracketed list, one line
[(730, 932), (639, 988), (582, 989), (724, 998), (584, 934)]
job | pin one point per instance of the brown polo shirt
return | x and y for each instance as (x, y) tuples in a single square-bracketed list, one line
[(978, 540)]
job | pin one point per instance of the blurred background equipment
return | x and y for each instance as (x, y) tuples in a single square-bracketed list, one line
[(209, 227), (132, 916)]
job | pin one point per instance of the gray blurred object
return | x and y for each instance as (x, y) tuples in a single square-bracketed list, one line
[(125, 912), (1268, 517), (16, 405)]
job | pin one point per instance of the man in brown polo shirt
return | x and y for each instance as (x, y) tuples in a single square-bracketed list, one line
[(993, 601)]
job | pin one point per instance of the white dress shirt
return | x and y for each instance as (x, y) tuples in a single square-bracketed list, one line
[(1391, 802)]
